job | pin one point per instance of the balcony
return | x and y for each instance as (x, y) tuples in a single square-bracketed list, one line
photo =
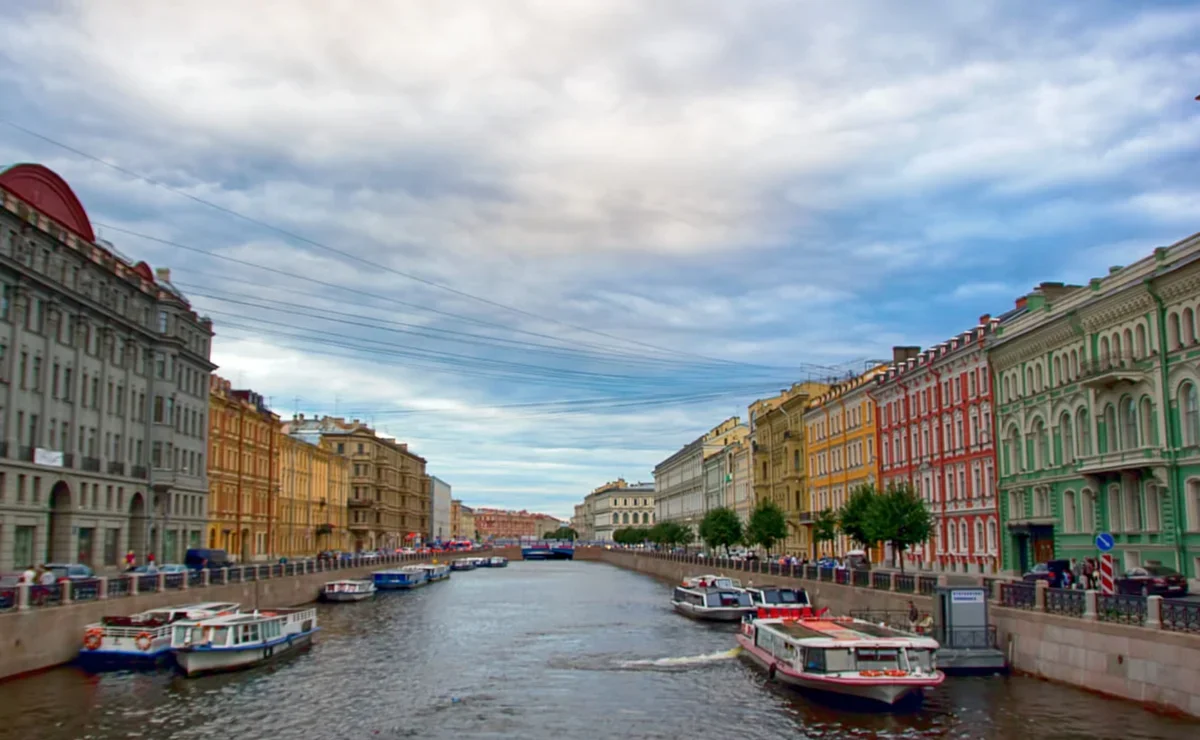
[(359, 526), (807, 517), (1108, 372), (139, 471), (116, 468), (1142, 457), (90, 464), (363, 503)]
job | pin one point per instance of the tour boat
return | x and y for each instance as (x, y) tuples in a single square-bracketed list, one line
[(463, 564), (407, 577), (141, 638), (770, 595), (712, 598), (843, 656), (497, 562), (236, 641), (348, 590), (436, 571)]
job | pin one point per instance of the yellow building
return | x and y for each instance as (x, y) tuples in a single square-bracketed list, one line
[(840, 429), (242, 472), (462, 521), (778, 458), (312, 500)]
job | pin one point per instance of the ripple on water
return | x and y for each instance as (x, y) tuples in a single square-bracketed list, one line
[(536, 650)]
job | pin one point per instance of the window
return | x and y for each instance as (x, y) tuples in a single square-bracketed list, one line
[(1190, 403), (1067, 436), (1083, 429), (1129, 424), (1069, 512), (1111, 439)]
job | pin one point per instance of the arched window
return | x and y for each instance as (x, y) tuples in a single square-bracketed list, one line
[(1129, 348), (1129, 425), (1104, 353), (1173, 332), (625, 518), (953, 538), (1142, 349), (1111, 437), (1188, 331), (1041, 446), (1069, 512), (1039, 378), (1067, 434), (1154, 508), (1074, 364), (1087, 517), (1013, 454), (1116, 348), (963, 543), (991, 541), (1115, 521), (1083, 429), (616, 518), (1146, 416), (1058, 370), (977, 545), (1029, 386), (1191, 413)]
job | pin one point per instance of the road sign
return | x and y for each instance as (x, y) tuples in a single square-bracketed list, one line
[(1104, 542), (1106, 573)]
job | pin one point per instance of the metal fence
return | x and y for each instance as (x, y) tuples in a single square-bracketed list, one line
[(1181, 616)]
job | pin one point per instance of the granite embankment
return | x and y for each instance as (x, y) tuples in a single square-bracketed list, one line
[(1146, 664), (41, 637)]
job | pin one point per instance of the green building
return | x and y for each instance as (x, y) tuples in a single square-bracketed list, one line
[(1098, 416)]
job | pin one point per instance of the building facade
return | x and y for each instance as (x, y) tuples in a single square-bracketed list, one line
[(103, 391), (779, 458), (315, 483), (462, 521), (506, 524), (740, 489), (389, 499), (619, 505), (1098, 416), (440, 529), (243, 470), (841, 433), (936, 433), (680, 493)]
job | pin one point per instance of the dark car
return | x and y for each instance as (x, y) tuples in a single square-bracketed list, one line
[(1153, 579), (1050, 572), (198, 558)]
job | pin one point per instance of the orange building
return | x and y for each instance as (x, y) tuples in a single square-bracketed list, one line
[(505, 524)]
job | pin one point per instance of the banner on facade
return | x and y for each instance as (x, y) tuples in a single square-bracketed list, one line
[(52, 458)]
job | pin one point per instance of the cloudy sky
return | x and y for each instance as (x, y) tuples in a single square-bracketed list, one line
[(549, 242)]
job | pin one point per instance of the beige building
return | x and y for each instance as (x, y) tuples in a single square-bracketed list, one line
[(739, 490), (582, 522), (462, 521), (389, 500), (779, 458), (312, 499), (618, 505)]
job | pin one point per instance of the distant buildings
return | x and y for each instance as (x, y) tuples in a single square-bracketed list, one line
[(680, 493), (618, 505), (506, 524), (439, 520), (462, 521)]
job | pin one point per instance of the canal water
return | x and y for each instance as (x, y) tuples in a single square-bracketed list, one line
[(536, 650)]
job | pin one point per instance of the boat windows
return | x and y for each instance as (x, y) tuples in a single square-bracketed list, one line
[(728, 599), (220, 636), (827, 660), (877, 659), (920, 658)]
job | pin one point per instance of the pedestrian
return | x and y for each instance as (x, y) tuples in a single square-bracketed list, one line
[(130, 560), (29, 576), (913, 615), (150, 560), (47, 578)]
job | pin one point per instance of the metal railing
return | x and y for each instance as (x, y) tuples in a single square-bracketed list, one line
[(147, 583), (85, 589), (1181, 616), (1071, 602), (905, 582), (118, 586), (965, 638), (862, 578), (1121, 608), (881, 581), (1018, 595), (927, 584)]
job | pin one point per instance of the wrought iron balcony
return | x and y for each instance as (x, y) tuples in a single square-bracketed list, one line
[(139, 471), (91, 464), (116, 468), (1141, 457), (363, 503), (1107, 372)]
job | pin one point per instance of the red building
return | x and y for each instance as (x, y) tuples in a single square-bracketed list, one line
[(505, 524), (935, 432)]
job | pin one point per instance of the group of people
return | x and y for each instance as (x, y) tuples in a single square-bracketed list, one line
[(40, 576)]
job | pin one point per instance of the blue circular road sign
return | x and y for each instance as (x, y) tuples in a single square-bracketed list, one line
[(1104, 542)]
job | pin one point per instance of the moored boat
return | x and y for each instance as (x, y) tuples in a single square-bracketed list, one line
[(436, 571), (784, 596), (463, 564), (712, 598), (841, 656), (237, 641), (141, 638), (497, 562), (407, 577), (348, 590)]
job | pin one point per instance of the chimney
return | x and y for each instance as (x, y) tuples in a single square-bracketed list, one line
[(1021, 302), (984, 319), (901, 355), (163, 274)]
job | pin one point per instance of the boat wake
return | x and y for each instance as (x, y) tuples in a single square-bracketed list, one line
[(607, 663)]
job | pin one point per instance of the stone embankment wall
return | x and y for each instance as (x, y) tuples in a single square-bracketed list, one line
[(38, 638), (1156, 668)]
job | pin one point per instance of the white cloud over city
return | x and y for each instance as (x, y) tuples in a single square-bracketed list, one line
[(688, 202)]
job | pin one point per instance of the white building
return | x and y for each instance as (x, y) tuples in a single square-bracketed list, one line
[(680, 493), (439, 522), (619, 505)]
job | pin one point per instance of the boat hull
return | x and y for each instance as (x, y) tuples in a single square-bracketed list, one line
[(885, 692), (204, 661), (348, 596), (714, 613)]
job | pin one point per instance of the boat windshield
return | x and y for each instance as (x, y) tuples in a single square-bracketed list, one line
[(879, 659), (728, 598), (920, 658)]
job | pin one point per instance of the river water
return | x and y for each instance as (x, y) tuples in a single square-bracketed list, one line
[(537, 650)]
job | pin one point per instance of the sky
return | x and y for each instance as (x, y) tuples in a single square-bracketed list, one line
[(549, 242)]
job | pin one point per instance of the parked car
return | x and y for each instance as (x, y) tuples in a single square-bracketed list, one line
[(197, 558), (1050, 571), (1152, 579), (72, 571), (168, 568)]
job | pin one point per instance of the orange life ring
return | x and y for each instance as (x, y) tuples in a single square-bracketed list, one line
[(894, 672), (93, 638), (143, 640), (870, 674)]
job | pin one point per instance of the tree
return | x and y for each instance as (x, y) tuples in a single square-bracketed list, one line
[(824, 529), (721, 528), (669, 534), (631, 535), (901, 519), (767, 525), (857, 516), (562, 533)]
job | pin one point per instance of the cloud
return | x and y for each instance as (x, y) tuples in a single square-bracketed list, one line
[(677, 199)]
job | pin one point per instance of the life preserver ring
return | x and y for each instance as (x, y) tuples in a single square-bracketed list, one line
[(870, 674), (143, 641), (93, 638), (895, 672)]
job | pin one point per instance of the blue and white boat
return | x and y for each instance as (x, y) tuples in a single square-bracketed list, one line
[(348, 590), (408, 577), (496, 562), (237, 641), (463, 564), (141, 638), (436, 571)]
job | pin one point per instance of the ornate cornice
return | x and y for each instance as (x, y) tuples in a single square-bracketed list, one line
[(1116, 310), (1181, 284)]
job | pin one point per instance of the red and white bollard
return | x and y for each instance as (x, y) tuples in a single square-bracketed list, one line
[(1106, 574)]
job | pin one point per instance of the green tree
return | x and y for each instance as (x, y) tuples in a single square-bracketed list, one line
[(767, 525), (856, 518), (721, 528), (670, 534), (825, 527), (901, 519), (562, 533)]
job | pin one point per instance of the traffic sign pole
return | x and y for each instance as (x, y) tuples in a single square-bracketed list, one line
[(1106, 574)]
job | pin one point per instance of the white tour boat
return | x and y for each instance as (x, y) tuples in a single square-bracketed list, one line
[(238, 641), (712, 598), (464, 564), (497, 562), (348, 590), (841, 655), (770, 595), (436, 571), (143, 637)]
